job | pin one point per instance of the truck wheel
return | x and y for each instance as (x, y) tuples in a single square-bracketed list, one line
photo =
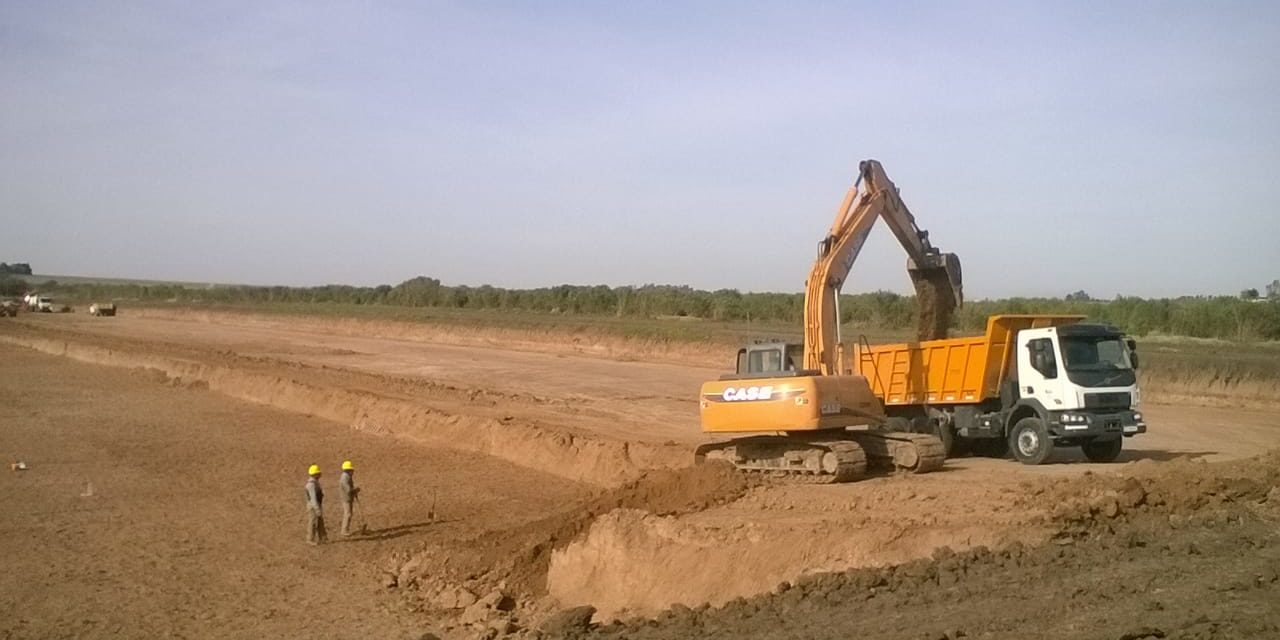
[(1030, 442), (1102, 450), (990, 447)]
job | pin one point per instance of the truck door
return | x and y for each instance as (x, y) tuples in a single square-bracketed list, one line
[(1040, 372)]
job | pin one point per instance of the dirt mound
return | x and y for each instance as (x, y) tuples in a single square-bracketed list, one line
[(517, 559), (1179, 491), (1187, 551)]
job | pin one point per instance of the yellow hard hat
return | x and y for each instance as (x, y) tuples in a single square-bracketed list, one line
[(314, 470), (347, 466)]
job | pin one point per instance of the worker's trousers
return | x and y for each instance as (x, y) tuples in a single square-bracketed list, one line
[(315, 527), (347, 509)]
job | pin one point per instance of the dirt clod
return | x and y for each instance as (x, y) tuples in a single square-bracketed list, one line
[(1144, 633), (568, 622)]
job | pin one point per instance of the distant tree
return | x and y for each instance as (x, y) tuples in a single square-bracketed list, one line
[(1249, 294), (19, 268), (1079, 296), (1273, 290), (11, 286)]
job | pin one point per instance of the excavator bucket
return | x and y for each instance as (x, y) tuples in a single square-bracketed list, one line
[(939, 292)]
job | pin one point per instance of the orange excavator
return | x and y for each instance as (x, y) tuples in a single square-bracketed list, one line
[(800, 410)]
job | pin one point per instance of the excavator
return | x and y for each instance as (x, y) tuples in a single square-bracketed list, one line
[(799, 410)]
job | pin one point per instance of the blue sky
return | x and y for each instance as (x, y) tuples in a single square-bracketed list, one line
[(1124, 148)]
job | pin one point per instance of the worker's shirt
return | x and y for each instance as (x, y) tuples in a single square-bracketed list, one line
[(315, 495), (347, 486)]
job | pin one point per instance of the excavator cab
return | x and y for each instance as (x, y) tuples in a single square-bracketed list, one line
[(769, 359)]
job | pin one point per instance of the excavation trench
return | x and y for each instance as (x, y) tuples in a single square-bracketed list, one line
[(632, 562), (595, 461)]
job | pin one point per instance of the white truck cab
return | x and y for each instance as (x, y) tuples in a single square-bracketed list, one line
[(1081, 382)]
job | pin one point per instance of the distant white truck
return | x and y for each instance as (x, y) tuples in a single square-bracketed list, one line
[(42, 304), (100, 309)]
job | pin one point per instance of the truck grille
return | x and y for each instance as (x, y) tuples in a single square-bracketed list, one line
[(1114, 400)]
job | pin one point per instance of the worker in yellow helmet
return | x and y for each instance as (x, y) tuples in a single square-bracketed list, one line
[(315, 507), (349, 492)]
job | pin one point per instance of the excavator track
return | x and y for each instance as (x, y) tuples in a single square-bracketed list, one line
[(798, 460), (901, 451)]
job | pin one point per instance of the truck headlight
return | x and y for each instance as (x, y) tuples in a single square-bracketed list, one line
[(1137, 417), (1073, 418)]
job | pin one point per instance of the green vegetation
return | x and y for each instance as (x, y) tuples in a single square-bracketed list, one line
[(17, 268), (1222, 317)]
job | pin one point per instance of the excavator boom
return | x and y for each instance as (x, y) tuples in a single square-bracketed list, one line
[(935, 275), (818, 421)]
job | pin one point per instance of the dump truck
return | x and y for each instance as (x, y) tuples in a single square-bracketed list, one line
[(795, 409), (1029, 384), (99, 310)]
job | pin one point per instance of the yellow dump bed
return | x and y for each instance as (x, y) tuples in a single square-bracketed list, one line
[(951, 371)]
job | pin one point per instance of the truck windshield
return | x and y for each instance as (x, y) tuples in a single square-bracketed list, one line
[(1087, 353), (1097, 361)]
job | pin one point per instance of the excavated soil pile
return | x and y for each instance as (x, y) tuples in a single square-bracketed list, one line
[(1187, 550), (1179, 490), (516, 559)]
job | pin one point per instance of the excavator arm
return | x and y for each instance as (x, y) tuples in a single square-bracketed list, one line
[(936, 275)]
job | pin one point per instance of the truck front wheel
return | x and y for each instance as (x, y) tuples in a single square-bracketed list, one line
[(1103, 450), (1030, 441)]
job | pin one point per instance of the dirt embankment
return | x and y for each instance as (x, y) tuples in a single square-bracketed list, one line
[(446, 577), (366, 402), (632, 562), (1211, 385), (1187, 550)]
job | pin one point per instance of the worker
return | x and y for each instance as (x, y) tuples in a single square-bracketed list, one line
[(315, 508), (349, 492)]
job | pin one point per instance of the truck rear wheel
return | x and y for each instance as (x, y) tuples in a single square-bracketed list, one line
[(1030, 441), (1103, 450)]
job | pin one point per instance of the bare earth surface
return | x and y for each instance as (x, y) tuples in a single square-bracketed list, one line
[(193, 522), (151, 511), (627, 400)]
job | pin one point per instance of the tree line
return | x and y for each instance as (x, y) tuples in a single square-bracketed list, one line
[(19, 268), (1228, 317)]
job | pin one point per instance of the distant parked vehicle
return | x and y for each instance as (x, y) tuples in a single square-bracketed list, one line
[(100, 310)]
